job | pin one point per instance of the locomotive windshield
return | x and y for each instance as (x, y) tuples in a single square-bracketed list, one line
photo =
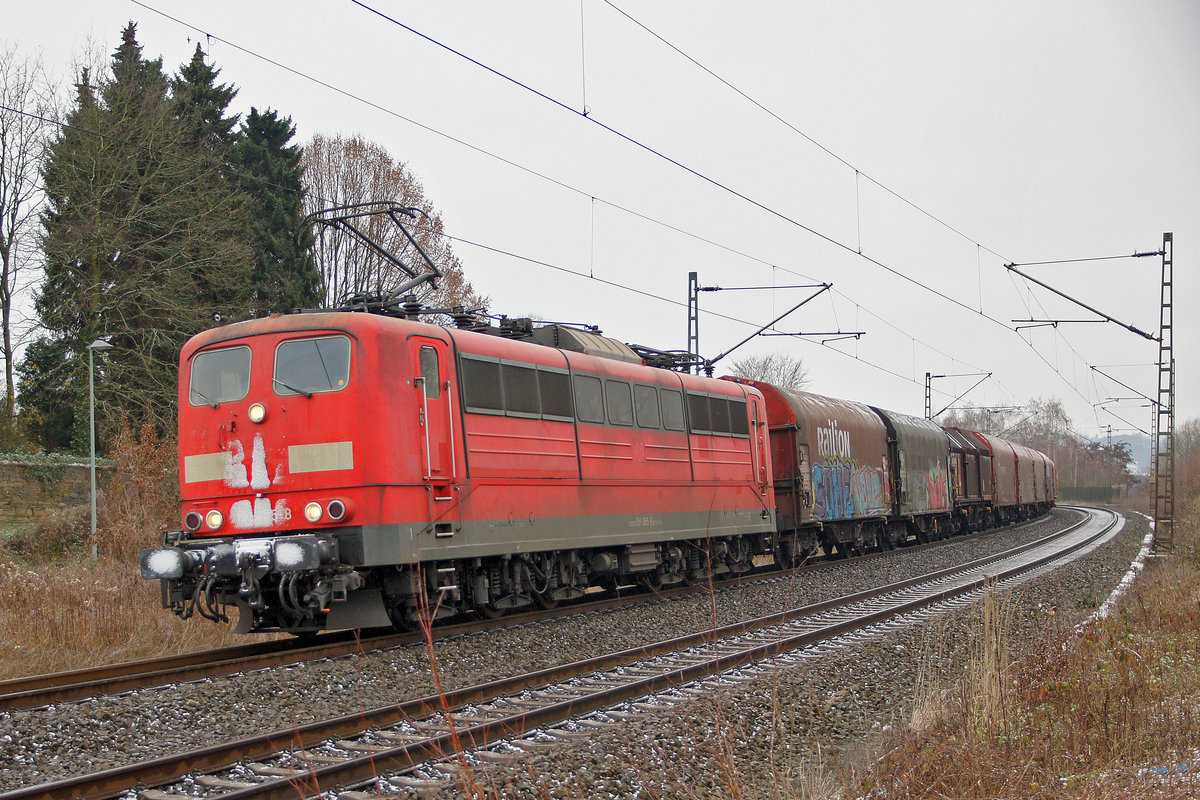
[(219, 376), (308, 366)]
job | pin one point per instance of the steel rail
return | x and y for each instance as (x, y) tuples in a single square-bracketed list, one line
[(42, 690), (160, 771), (357, 771)]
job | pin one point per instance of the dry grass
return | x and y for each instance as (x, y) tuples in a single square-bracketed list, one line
[(74, 614), (59, 610), (1111, 715), (1114, 713)]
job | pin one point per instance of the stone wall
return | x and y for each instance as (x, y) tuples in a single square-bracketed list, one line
[(30, 490)]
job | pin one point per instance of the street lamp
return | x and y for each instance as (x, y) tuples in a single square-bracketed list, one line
[(99, 344)]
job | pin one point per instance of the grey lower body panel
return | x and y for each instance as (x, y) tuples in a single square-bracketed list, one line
[(411, 543)]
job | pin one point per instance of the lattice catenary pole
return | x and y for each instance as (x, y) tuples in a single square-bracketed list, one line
[(1164, 415)]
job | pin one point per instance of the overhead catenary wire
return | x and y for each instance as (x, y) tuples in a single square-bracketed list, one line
[(858, 174), (712, 181), (516, 165), (675, 162), (857, 171), (508, 162), (480, 245), (658, 297), (559, 183)]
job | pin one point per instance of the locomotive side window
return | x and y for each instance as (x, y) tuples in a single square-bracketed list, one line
[(718, 409), (672, 409), (521, 390), (496, 386), (429, 372), (219, 376), (555, 389), (481, 386), (589, 401), (645, 406), (620, 402), (717, 415), (309, 366), (739, 420), (698, 412)]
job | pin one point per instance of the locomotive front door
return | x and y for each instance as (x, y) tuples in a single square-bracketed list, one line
[(431, 381)]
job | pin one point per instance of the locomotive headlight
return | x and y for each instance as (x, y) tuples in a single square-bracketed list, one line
[(192, 521), (257, 412), (169, 563), (215, 519), (313, 512), (298, 553), (165, 562)]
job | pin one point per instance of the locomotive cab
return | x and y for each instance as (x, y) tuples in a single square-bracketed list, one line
[(285, 451)]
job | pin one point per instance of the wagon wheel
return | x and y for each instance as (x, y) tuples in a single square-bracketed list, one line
[(489, 611), (786, 553), (650, 581), (545, 600)]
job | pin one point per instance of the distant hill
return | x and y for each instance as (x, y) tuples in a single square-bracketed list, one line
[(1140, 446)]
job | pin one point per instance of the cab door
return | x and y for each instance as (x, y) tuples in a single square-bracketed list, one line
[(435, 418), (437, 437), (758, 430)]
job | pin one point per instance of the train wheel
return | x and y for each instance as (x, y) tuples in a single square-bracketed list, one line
[(650, 581), (741, 560), (786, 556), (489, 611), (545, 600)]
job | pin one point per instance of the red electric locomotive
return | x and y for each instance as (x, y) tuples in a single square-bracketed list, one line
[(347, 470), (351, 469)]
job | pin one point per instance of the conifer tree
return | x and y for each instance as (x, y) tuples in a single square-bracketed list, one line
[(144, 234), (284, 275), (200, 104)]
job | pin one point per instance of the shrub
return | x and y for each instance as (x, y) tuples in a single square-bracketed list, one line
[(140, 497)]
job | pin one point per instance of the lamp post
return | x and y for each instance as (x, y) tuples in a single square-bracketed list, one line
[(99, 344)]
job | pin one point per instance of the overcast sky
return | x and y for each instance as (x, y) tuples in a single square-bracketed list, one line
[(940, 139)]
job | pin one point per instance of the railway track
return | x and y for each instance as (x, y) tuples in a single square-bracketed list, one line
[(445, 737), (42, 690)]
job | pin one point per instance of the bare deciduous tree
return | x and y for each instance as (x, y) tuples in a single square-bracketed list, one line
[(778, 369), (1187, 462), (342, 171), (25, 103)]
